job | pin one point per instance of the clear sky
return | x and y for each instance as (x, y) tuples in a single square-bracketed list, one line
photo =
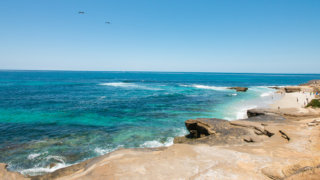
[(164, 35)]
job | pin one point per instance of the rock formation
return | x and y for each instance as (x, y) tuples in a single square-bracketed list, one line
[(239, 89), (292, 89)]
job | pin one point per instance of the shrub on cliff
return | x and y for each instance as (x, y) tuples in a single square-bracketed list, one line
[(315, 103)]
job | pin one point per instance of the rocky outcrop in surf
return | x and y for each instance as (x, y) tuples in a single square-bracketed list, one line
[(239, 89)]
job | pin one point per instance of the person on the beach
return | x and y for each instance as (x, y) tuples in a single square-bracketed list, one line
[(278, 107)]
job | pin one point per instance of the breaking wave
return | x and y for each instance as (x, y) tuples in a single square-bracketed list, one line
[(38, 170), (199, 86), (129, 85), (157, 143)]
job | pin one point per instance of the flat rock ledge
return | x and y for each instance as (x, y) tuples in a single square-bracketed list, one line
[(213, 131)]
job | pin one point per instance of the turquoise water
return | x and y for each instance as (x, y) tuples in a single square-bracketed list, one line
[(66, 117)]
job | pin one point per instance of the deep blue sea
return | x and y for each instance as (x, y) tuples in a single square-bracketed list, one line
[(65, 117)]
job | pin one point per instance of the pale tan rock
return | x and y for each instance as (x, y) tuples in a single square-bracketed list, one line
[(8, 175)]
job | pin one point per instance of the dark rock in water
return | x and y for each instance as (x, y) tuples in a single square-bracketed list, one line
[(255, 112), (239, 89)]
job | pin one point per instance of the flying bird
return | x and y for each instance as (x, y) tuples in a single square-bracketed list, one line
[(107, 22), (81, 12)]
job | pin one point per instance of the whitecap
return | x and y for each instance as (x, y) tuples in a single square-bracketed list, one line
[(128, 85)]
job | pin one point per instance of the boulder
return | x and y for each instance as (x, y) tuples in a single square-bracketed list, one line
[(239, 89)]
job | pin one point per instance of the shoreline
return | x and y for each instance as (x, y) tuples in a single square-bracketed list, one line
[(180, 159)]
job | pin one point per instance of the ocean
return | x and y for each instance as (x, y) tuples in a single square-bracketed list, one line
[(65, 117)]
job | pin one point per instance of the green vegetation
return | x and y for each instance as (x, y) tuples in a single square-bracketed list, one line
[(315, 103)]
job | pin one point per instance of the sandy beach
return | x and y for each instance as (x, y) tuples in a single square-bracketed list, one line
[(274, 143)]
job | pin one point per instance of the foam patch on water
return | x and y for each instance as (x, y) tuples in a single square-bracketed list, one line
[(128, 85), (168, 142), (199, 86), (266, 94), (157, 143), (242, 113), (100, 151), (37, 170), (255, 97), (41, 170), (33, 156)]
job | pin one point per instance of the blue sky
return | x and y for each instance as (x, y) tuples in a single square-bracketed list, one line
[(165, 35)]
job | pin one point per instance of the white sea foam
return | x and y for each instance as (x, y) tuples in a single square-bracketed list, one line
[(33, 156), (101, 151), (36, 155), (57, 158), (199, 86), (242, 113), (40, 170), (266, 94), (129, 85), (156, 143), (168, 142)]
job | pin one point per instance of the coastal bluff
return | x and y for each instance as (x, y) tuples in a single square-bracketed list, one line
[(272, 143)]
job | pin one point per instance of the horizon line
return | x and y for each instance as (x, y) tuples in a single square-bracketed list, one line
[(150, 71)]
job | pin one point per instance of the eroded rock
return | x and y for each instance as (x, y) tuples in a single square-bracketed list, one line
[(217, 132)]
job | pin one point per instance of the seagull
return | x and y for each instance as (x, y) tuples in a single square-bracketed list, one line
[(81, 12)]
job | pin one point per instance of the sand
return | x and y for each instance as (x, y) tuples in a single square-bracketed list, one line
[(293, 100)]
